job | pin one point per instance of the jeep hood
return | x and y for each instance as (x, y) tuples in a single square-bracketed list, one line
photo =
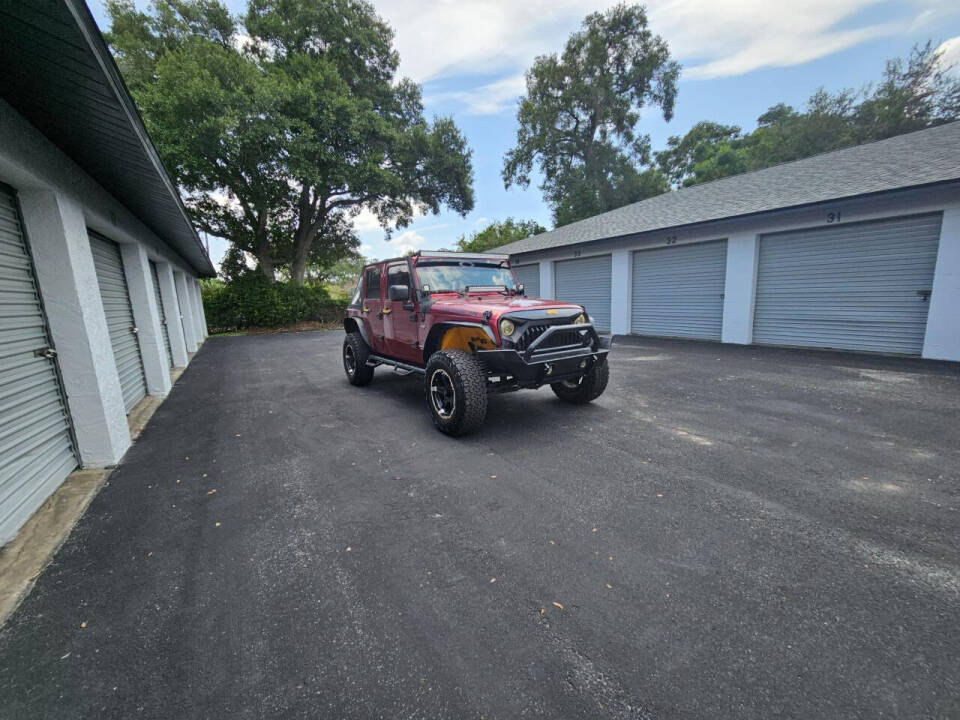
[(474, 306)]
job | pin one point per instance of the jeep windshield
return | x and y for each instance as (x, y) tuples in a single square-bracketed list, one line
[(439, 276)]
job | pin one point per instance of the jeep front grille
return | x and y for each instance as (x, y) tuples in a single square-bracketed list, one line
[(564, 338)]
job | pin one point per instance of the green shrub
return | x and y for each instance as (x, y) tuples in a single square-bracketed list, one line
[(253, 301)]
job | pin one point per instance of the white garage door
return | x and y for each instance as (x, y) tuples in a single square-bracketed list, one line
[(586, 282), (119, 312), (36, 447), (863, 286), (678, 291), (529, 277), (163, 314)]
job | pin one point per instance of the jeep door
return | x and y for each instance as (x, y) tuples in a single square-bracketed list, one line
[(399, 316), (372, 306)]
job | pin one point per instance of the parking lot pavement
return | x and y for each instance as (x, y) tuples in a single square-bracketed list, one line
[(729, 532)]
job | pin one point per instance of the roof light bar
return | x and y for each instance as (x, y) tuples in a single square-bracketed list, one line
[(447, 254)]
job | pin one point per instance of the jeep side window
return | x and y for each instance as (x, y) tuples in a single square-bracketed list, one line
[(355, 297), (373, 284), (398, 275)]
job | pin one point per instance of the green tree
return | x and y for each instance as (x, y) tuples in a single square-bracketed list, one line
[(284, 127), (499, 233), (578, 119), (683, 153), (914, 93)]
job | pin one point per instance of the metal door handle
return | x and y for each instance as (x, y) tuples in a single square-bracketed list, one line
[(48, 353)]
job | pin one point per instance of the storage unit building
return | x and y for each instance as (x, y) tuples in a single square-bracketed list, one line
[(857, 249), (93, 238)]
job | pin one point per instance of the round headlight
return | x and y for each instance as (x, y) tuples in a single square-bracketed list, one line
[(507, 328), (581, 318)]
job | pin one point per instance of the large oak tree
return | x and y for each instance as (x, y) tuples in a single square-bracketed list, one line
[(284, 124), (578, 119)]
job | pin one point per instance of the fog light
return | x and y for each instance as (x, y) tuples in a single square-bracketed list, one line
[(583, 364), (548, 368)]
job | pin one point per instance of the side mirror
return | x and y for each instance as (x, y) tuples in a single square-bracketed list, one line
[(520, 290), (400, 293)]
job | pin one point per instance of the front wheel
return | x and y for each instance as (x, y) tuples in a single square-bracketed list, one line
[(586, 388), (456, 390), (355, 354)]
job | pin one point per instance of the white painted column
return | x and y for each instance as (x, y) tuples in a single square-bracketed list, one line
[(546, 279), (171, 309), (71, 297), (186, 311), (740, 288), (942, 340), (200, 311), (620, 290), (146, 315)]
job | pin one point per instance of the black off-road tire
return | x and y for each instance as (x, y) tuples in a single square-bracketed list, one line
[(589, 387), (461, 377), (358, 372)]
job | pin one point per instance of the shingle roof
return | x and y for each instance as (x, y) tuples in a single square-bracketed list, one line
[(60, 76), (918, 158)]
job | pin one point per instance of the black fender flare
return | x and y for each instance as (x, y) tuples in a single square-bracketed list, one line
[(352, 324)]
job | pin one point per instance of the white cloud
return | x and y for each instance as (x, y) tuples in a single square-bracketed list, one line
[(501, 38), (949, 52), (490, 99), (366, 221), (753, 34), (407, 242)]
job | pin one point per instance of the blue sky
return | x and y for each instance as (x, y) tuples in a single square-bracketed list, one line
[(739, 57)]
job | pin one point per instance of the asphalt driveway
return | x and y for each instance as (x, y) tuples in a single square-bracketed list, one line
[(727, 533)]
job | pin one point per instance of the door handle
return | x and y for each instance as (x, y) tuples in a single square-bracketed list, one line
[(924, 295), (134, 330), (46, 352)]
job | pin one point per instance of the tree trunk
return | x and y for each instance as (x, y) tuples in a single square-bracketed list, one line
[(264, 256), (303, 238), (301, 251)]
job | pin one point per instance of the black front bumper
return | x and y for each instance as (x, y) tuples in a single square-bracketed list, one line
[(541, 363)]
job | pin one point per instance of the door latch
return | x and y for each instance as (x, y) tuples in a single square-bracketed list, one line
[(924, 295), (46, 352), (134, 330)]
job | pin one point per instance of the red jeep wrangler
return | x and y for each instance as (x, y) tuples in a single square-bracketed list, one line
[(463, 322)]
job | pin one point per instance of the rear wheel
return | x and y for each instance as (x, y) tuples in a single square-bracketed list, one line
[(355, 354), (586, 388), (456, 390)]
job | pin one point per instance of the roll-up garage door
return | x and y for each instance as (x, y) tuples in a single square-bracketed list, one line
[(119, 312), (863, 286), (36, 447), (678, 291), (529, 277), (163, 315), (586, 282)]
